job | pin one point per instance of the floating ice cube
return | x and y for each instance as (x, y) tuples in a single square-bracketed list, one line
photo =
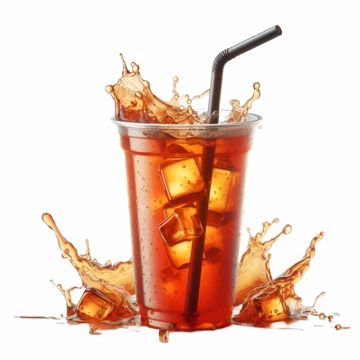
[(181, 178), (222, 191), (169, 208), (94, 305), (182, 225), (180, 254)]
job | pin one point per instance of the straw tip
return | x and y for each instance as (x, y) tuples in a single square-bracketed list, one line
[(278, 29)]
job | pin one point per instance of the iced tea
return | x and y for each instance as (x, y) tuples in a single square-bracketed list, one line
[(166, 186)]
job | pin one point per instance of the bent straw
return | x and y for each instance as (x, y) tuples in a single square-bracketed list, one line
[(194, 276)]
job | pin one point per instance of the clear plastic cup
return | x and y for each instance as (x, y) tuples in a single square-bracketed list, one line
[(165, 187)]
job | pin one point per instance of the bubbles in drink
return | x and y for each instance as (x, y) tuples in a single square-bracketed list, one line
[(181, 179), (134, 101)]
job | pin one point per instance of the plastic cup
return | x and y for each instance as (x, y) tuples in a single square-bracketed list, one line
[(164, 166)]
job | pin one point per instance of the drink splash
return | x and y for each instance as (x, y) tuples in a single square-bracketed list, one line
[(263, 299), (135, 102), (108, 298)]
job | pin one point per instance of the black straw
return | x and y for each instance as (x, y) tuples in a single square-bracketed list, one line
[(194, 276), (223, 57)]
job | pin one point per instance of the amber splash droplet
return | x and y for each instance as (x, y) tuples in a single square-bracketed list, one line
[(239, 113), (164, 335)]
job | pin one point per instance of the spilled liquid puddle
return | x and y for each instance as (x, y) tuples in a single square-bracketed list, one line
[(108, 300)]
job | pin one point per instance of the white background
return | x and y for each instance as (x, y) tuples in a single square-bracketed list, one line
[(60, 153)]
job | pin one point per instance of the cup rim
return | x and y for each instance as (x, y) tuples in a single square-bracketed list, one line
[(253, 120)]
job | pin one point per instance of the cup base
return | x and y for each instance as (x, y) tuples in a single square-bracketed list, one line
[(180, 322)]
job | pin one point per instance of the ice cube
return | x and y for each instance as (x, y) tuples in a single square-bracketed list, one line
[(169, 208), (94, 305), (182, 225), (272, 307), (181, 178), (180, 254), (224, 184)]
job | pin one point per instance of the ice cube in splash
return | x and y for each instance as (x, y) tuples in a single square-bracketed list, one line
[(182, 179), (94, 306), (271, 307), (222, 192), (183, 224), (266, 306)]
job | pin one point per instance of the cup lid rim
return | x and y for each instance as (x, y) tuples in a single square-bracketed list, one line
[(253, 120)]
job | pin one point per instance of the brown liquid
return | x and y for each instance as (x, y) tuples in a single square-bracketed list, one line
[(134, 101), (263, 299), (106, 304), (166, 187), (107, 287)]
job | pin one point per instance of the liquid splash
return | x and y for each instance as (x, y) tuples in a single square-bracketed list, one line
[(253, 269), (108, 298), (263, 299), (134, 101), (108, 287)]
